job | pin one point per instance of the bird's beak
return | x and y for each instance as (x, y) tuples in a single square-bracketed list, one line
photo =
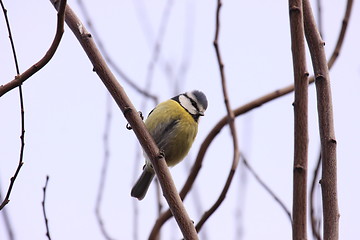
[(201, 113)]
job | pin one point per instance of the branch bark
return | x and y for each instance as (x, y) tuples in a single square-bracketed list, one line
[(19, 79), (326, 126), (109, 59), (315, 220), (242, 110), (100, 67), (299, 227), (231, 122), (44, 209)]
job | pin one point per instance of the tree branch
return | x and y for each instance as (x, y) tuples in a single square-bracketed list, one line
[(43, 208), (231, 122), (315, 223), (267, 188), (158, 161), (108, 58), (19, 79), (326, 126), (104, 169), (7, 222), (301, 135), (242, 110)]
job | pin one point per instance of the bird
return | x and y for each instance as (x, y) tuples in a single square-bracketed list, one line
[(173, 124)]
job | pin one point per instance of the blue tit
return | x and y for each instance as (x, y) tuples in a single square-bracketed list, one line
[(173, 124)]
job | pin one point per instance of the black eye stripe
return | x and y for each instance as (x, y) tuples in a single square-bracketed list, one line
[(192, 102)]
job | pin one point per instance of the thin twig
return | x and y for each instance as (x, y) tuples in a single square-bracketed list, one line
[(231, 122), (151, 150), (108, 58), (301, 135), (10, 37), (341, 37), (155, 55), (158, 42), (319, 17), (196, 199), (44, 210), (242, 110), (19, 79), (104, 168), (326, 126), (22, 113), (315, 221), (8, 225), (135, 203), (267, 188), (18, 82)]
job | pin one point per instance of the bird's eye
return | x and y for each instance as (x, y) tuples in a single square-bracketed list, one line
[(194, 104)]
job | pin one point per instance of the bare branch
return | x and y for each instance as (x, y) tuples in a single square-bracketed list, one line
[(109, 59), (266, 187), (315, 223), (10, 37), (341, 37), (231, 122), (156, 51), (22, 115), (326, 126), (104, 168), (242, 110), (301, 135), (19, 79), (157, 159), (319, 17), (7, 222), (43, 208)]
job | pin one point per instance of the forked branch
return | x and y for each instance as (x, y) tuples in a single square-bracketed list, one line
[(19, 79), (242, 110), (231, 122), (157, 159)]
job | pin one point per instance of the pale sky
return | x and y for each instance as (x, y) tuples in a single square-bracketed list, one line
[(65, 105)]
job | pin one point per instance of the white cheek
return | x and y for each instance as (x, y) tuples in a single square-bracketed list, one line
[(186, 103)]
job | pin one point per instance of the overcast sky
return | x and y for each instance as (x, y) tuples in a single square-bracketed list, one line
[(65, 112)]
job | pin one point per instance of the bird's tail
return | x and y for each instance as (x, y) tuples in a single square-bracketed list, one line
[(142, 184)]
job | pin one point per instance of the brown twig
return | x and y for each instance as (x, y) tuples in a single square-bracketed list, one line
[(315, 222), (22, 113), (326, 126), (156, 51), (341, 37), (319, 17), (10, 37), (19, 79), (108, 58), (157, 159), (7, 222), (231, 122), (104, 168), (301, 135), (266, 187), (242, 110), (155, 55), (43, 208)]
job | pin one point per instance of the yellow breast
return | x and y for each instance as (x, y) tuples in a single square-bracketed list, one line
[(173, 130)]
